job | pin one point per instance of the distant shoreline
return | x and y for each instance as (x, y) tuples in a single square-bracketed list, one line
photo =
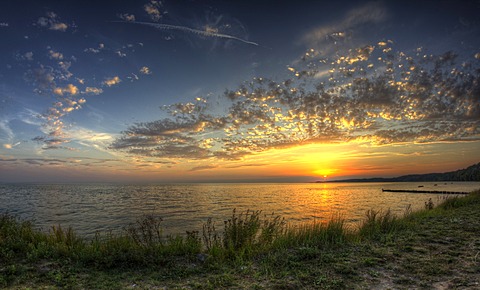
[(471, 173)]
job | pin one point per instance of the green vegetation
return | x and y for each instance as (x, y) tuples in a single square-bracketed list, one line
[(438, 246)]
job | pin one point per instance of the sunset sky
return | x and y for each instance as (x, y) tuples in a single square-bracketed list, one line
[(209, 91)]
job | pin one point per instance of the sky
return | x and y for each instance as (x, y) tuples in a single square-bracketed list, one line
[(237, 91)]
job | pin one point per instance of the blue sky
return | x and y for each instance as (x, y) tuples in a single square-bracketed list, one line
[(235, 91)]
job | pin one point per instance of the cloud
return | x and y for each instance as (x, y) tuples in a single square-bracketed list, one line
[(340, 31), (166, 138), (205, 167), (66, 163), (55, 55), (5, 129), (93, 91), (126, 17), (145, 70), (372, 94), (52, 22), (70, 89), (8, 160), (208, 32), (153, 10), (247, 165), (10, 145), (59, 26), (28, 55), (92, 50), (112, 81), (43, 78), (64, 73)]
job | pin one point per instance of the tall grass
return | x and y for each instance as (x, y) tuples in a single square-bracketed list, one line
[(315, 234), (243, 236), (379, 225)]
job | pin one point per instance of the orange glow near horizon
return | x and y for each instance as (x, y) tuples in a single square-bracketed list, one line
[(310, 162)]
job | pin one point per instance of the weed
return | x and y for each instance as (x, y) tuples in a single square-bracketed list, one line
[(241, 230), (211, 238), (147, 231), (429, 205), (272, 229), (408, 211)]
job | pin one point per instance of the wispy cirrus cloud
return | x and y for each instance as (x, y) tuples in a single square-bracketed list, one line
[(5, 131), (207, 31), (11, 146), (70, 162), (326, 37), (204, 167), (247, 165)]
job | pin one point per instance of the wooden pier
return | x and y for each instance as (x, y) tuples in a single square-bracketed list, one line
[(423, 191)]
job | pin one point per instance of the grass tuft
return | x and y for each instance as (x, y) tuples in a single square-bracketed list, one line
[(379, 225)]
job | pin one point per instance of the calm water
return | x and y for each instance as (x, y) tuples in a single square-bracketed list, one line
[(109, 207)]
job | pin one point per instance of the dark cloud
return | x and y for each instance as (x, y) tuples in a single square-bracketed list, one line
[(205, 167), (43, 79), (8, 160), (247, 165), (72, 162)]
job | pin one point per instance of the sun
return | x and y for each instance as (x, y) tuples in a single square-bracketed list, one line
[(324, 172)]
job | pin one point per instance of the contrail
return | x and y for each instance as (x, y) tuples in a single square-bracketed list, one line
[(190, 30)]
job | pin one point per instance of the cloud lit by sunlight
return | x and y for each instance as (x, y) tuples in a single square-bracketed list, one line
[(372, 95), (112, 81)]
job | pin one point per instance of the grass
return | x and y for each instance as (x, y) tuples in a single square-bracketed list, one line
[(253, 250)]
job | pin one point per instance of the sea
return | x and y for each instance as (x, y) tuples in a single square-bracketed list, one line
[(109, 208)]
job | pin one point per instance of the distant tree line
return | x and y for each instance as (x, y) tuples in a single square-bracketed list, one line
[(471, 173)]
